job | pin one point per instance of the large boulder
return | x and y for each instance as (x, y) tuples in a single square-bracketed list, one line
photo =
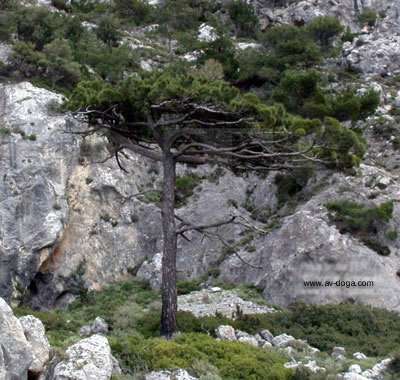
[(15, 350), (35, 334), (88, 359)]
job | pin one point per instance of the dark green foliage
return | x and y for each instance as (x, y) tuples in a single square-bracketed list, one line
[(301, 93), (177, 16), (348, 35), (223, 51), (7, 4), (244, 17), (394, 366), (138, 11), (357, 327), (349, 105), (134, 95), (357, 217), (54, 63), (324, 29), (296, 88), (290, 184), (132, 311), (38, 26), (375, 332), (7, 25), (185, 186), (254, 69), (186, 287), (362, 221), (107, 30), (291, 46), (368, 17)]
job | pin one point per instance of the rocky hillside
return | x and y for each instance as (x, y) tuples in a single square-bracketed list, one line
[(72, 221)]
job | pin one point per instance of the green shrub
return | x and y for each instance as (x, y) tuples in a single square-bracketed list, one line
[(138, 11), (362, 221), (324, 29), (369, 102), (244, 17), (7, 25), (223, 51), (368, 17), (186, 287), (348, 35), (107, 30), (185, 186), (295, 87), (356, 217), (376, 332), (38, 26), (232, 360), (291, 46)]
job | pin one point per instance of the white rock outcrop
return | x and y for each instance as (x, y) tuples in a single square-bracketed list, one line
[(225, 332), (35, 334), (88, 359), (15, 351)]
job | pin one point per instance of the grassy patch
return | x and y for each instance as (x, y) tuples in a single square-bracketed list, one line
[(132, 311)]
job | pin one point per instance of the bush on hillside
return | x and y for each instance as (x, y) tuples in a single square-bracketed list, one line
[(324, 29), (244, 17), (38, 26), (356, 217), (362, 221), (138, 11), (231, 360), (291, 46), (107, 30), (368, 17)]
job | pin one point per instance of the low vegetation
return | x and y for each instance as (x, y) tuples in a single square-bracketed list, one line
[(131, 310)]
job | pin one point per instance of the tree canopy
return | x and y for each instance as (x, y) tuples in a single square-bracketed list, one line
[(126, 107)]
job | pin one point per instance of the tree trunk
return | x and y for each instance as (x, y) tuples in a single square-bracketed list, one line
[(169, 295)]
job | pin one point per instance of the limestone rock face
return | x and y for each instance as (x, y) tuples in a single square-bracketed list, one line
[(88, 359), (15, 350), (308, 247), (35, 334)]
